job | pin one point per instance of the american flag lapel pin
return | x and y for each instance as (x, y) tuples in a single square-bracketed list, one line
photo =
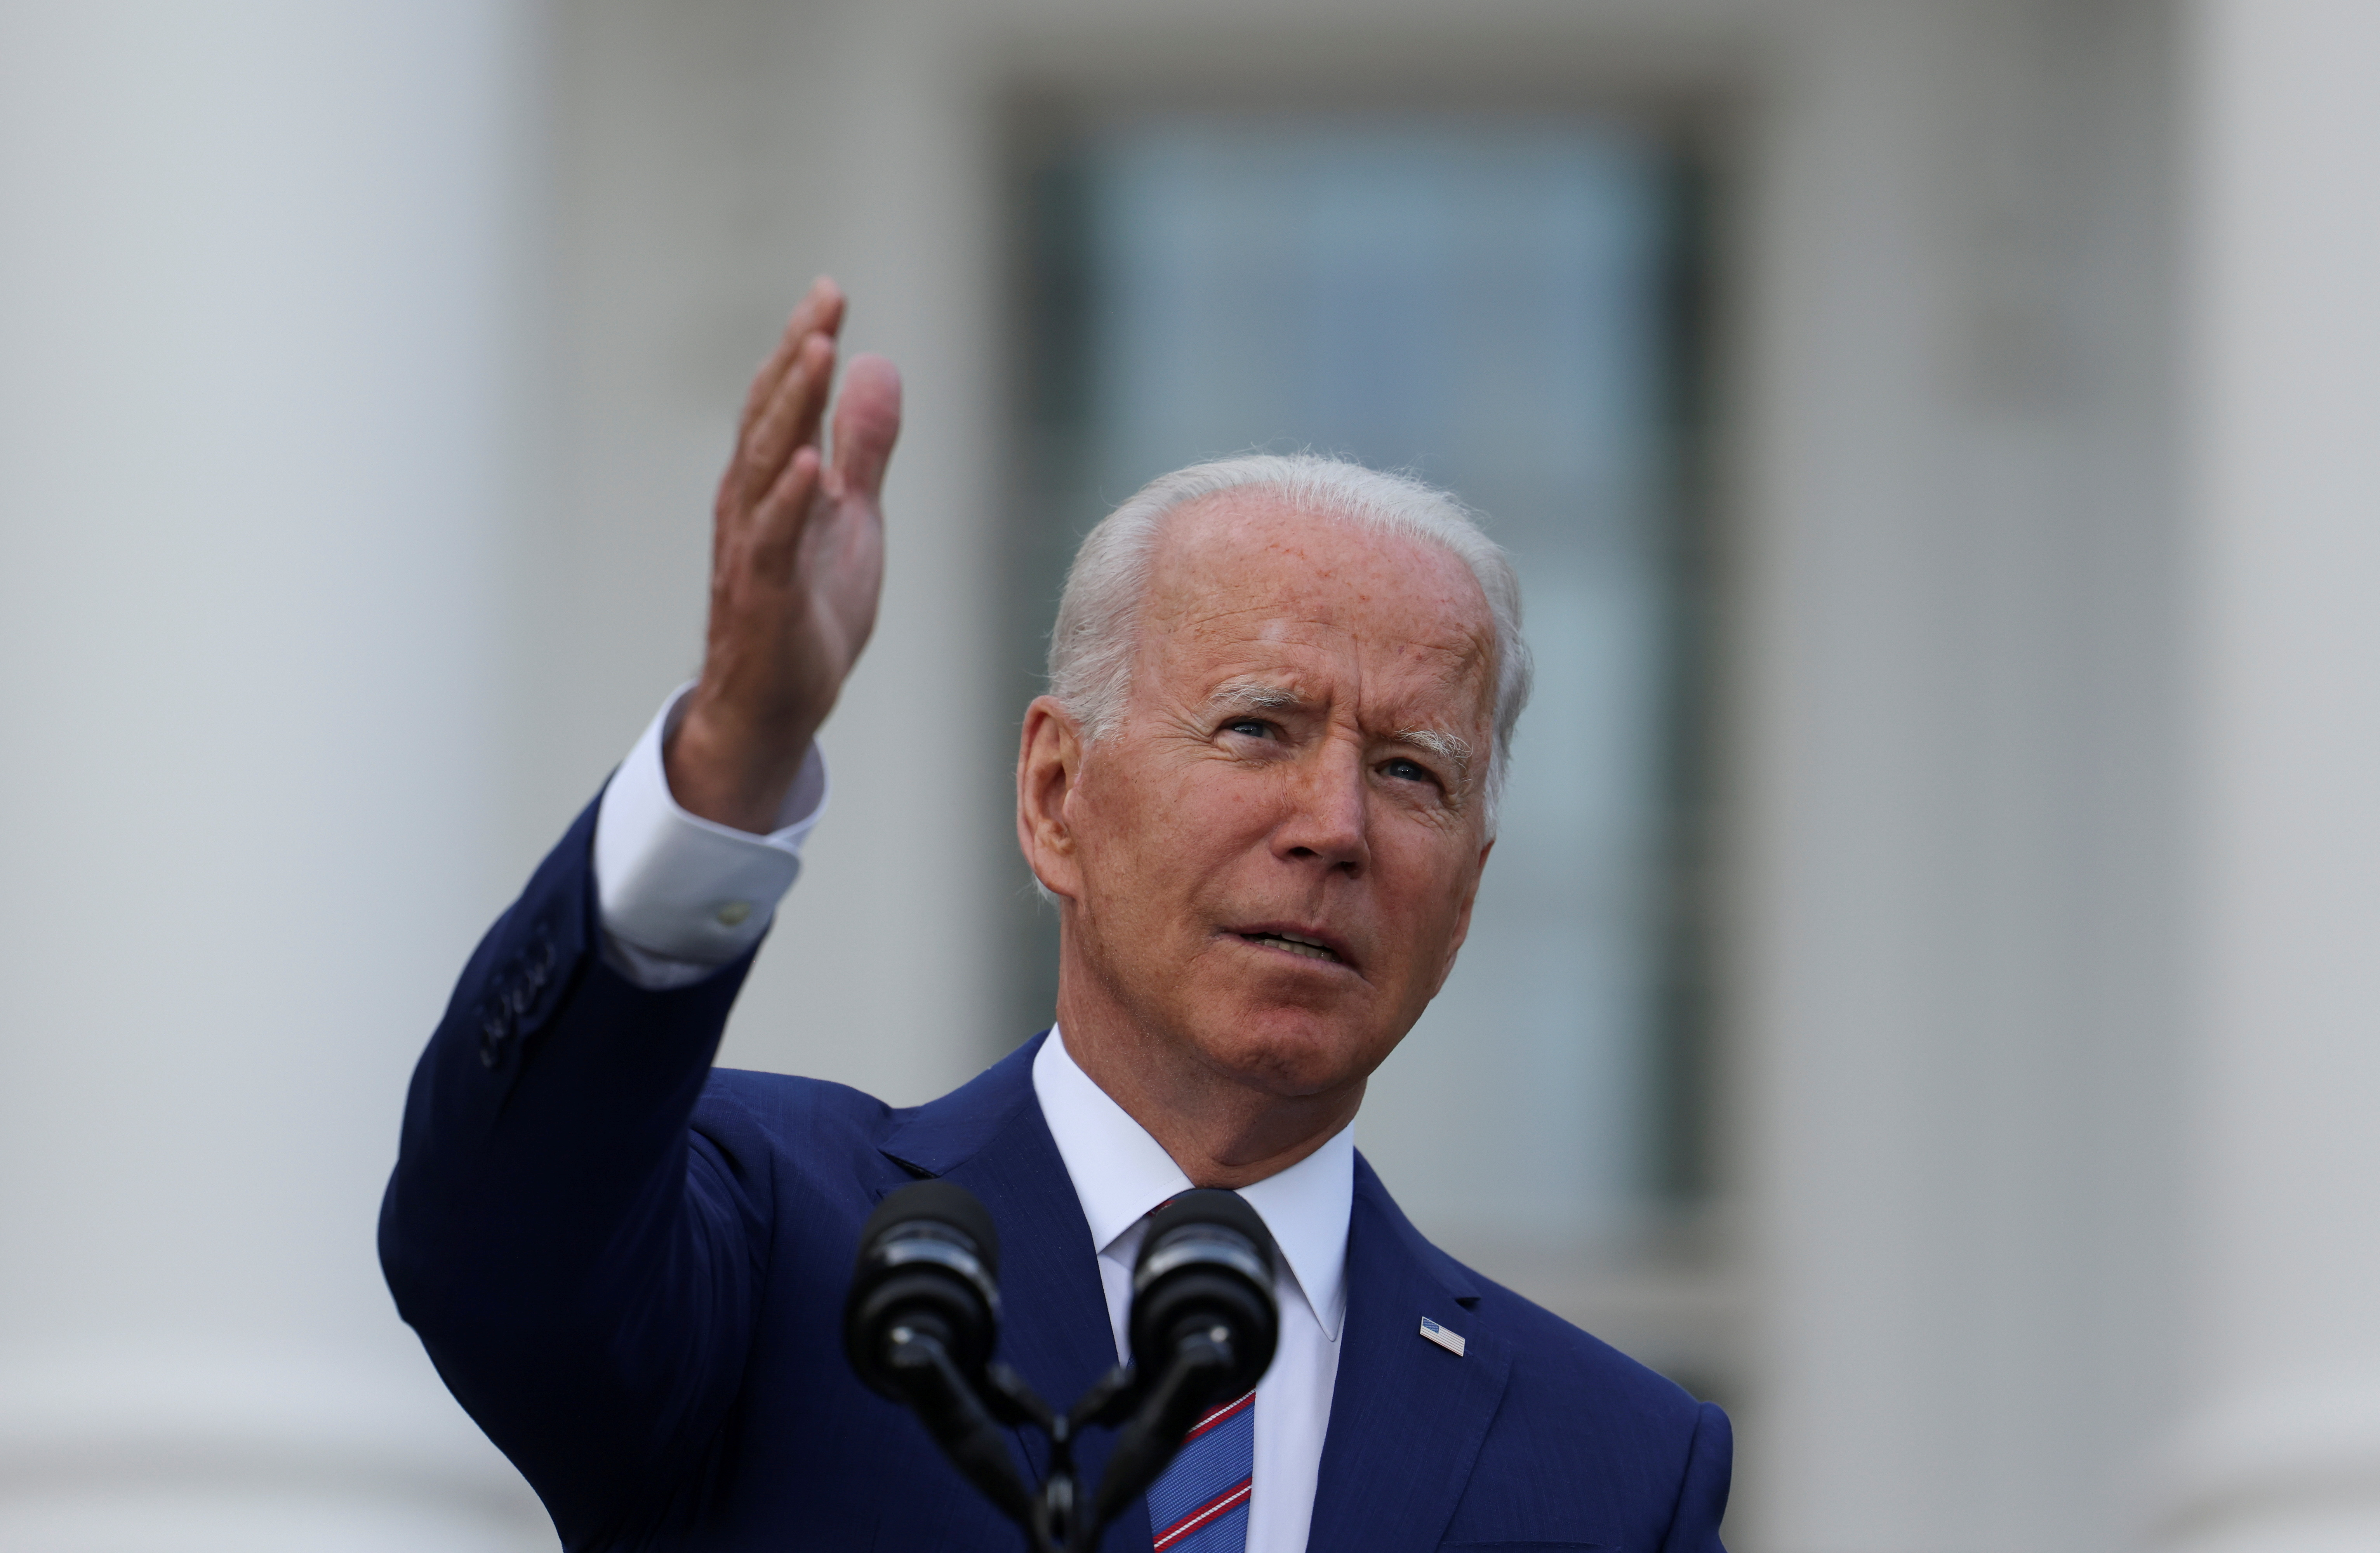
[(1451, 1342)]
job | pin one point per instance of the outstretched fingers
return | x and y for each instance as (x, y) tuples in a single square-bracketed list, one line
[(789, 422), (818, 312)]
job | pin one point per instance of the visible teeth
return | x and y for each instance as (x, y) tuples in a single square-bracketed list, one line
[(1307, 947)]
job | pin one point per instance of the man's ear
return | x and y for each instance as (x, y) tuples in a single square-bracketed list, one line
[(1049, 766)]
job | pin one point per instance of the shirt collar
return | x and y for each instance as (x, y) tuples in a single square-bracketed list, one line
[(1121, 1174)]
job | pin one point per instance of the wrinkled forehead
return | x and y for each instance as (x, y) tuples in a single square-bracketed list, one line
[(1247, 577)]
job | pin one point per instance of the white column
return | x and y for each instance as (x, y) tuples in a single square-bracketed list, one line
[(254, 339), (2283, 1449), (1953, 764)]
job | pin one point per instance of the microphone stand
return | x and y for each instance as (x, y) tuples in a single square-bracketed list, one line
[(966, 1425), (938, 1392), (1153, 1437), (924, 1304)]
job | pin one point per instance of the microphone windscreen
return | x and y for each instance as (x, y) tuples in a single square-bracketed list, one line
[(943, 1202), (1207, 1261), (1206, 1205)]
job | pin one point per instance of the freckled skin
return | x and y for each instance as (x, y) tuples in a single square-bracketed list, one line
[(1213, 812)]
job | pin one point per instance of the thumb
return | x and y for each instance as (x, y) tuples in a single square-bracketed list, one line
[(867, 421)]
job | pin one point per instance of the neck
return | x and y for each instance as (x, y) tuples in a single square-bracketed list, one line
[(1222, 1130)]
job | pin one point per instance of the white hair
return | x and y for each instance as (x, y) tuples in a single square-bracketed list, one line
[(1092, 648)]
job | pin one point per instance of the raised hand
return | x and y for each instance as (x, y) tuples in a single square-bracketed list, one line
[(797, 562)]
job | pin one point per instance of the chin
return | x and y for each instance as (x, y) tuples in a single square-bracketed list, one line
[(1290, 1051)]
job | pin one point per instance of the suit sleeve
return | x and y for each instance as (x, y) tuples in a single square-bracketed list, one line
[(1702, 1494), (582, 1270)]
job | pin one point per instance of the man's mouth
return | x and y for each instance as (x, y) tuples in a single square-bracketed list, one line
[(1311, 948)]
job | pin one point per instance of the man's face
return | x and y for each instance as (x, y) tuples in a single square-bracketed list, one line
[(1276, 852)]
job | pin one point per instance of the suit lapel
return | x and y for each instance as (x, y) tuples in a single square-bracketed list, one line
[(1407, 1418), (991, 1138)]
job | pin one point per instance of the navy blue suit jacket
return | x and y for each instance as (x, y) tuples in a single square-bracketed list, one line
[(631, 1269)]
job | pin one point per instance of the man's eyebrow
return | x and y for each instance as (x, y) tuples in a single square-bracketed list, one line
[(1452, 748), (1253, 696)]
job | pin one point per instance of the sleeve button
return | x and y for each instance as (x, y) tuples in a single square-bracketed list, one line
[(731, 913)]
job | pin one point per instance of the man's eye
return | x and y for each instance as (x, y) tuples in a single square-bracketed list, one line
[(1254, 728), (1409, 770)]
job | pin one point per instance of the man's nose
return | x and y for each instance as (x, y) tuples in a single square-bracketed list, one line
[(1328, 818)]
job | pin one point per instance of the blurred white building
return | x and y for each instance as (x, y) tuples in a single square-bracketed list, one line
[(363, 374)]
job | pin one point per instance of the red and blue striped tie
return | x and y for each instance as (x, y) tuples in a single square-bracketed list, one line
[(1199, 1504)]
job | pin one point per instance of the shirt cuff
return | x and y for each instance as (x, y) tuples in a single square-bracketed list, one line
[(679, 896)]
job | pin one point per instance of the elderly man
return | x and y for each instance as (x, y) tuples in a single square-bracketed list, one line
[(1261, 790)]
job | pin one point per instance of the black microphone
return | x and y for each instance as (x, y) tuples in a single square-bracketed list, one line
[(920, 1320), (1204, 1326)]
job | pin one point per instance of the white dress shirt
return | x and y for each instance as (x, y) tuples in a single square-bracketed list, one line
[(1121, 1174), (680, 896)]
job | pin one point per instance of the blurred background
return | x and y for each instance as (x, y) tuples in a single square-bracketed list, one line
[(1924, 998)]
